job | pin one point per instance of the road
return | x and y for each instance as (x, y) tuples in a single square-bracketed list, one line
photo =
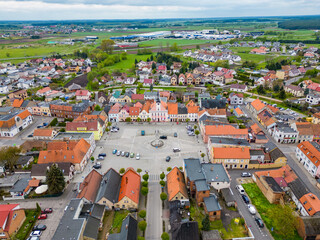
[(289, 151), (292, 80), (257, 232)]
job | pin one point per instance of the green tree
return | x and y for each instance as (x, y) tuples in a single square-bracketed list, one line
[(196, 132), (282, 94), (195, 127), (154, 66), (54, 122), (122, 170), (141, 238), (145, 184), (138, 119), (203, 155), (276, 88), (187, 120), (92, 159), (144, 191), (142, 226), (165, 236), (139, 170), (145, 177), (206, 223), (128, 119), (221, 63), (260, 89), (148, 119), (8, 54), (107, 46), (162, 183), (97, 108), (163, 196), (169, 169), (162, 175), (143, 214), (151, 87), (9, 155), (55, 179)]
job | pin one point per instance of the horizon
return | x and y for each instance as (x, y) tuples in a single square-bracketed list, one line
[(53, 10)]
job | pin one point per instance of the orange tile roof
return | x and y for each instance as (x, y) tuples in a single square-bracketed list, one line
[(43, 90), (190, 104), (11, 122), (218, 130), (172, 108), (239, 111), (17, 103), (42, 132), (273, 109), (311, 152), (90, 186), (231, 153), (310, 202), (176, 184), (255, 128), (73, 152), (304, 128), (316, 115), (34, 182), (134, 111), (146, 106), (193, 109), (284, 172), (258, 105), (130, 185), (216, 111)]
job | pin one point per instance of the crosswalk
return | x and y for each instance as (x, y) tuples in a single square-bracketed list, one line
[(154, 177)]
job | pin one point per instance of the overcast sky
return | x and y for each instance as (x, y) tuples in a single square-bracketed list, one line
[(138, 9)]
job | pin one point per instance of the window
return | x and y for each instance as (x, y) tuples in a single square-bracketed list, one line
[(176, 197), (309, 209), (104, 202), (214, 213), (204, 192), (14, 216)]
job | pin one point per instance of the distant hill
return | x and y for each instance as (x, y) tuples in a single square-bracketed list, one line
[(312, 22)]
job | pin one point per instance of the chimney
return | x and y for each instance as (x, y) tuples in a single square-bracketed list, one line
[(242, 149)]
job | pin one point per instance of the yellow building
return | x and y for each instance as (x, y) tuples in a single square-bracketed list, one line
[(316, 118), (92, 126), (231, 157)]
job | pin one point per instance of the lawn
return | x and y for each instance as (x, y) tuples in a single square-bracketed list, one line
[(234, 230), (117, 220), (124, 65), (265, 209), (252, 57), (31, 218)]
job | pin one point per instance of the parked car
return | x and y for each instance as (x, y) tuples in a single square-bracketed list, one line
[(100, 158), (122, 153), (252, 209), (245, 199), (191, 134), (97, 166), (114, 130), (132, 155), (45, 124), (163, 137), (246, 174), (36, 233), (33, 238), (30, 136), (176, 149), (138, 156), (114, 151), (240, 189), (118, 153), (47, 210), (40, 126), (175, 134), (43, 216), (127, 154), (168, 159), (259, 222), (39, 227), (102, 155)]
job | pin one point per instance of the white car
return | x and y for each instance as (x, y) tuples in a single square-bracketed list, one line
[(138, 156), (252, 209), (36, 233)]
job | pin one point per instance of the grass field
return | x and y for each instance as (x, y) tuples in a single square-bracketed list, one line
[(129, 62), (252, 57)]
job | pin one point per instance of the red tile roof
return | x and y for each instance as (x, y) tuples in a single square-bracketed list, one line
[(176, 184), (130, 185), (90, 186), (17, 103), (258, 105), (311, 152), (285, 172), (231, 153), (42, 132), (82, 126), (220, 130), (311, 203)]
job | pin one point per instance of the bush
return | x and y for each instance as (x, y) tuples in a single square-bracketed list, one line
[(54, 122), (165, 236), (145, 184), (122, 170), (163, 196), (142, 214), (146, 177)]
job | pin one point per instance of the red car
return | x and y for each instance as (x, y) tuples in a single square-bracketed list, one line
[(47, 210), (43, 216)]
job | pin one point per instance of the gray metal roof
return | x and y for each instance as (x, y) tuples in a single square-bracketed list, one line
[(226, 194), (20, 185), (109, 186), (70, 225), (212, 204), (229, 141), (128, 230), (97, 211), (215, 172), (285, 128), (256, 152), (201, 185), (193, 169)]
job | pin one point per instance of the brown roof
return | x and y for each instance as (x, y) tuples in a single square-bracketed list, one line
[(304, 128), (90, 186), (73, 152), (42, 132), (273, 109), (176, 184)]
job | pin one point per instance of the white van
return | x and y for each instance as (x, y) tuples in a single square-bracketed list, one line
[(240, 189)]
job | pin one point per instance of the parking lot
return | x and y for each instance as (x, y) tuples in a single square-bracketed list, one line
[(153, 160)]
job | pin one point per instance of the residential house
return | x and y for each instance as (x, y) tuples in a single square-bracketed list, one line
[(236, 98), (238, 87), (212, 207), (283, 133), (144, 113), (309, 156), (256, 107), (174, 80), (238, 112), (102, 97), (134, 113), (316, 118), (176, 186), (12, 218), (258, 136), (39, 171), (92, 126), (89, 187), (309, 227), (294, 90), (14, 122), (75, 152), (187, 96), (18, 94), (24, 161), (231, 157), (203, 96), (124, 113), (193, 113), (113, 113), (43, 92), (44, 133), (313, 99), (266, 119), (148, 82), (305, 131)]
